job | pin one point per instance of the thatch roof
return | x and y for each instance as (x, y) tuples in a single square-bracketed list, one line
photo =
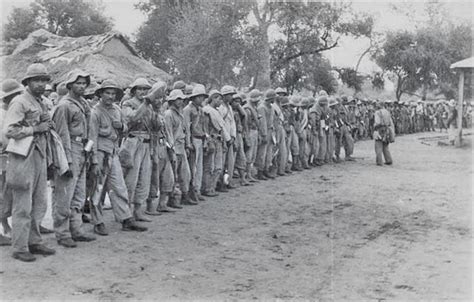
[(110, 55), (464, 64)]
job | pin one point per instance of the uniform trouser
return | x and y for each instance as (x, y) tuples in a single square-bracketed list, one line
[(69, 194), (293, 144), (330, 145), (212, 165), (303, 141), (114, 184), (282, 158), (28, 198), (270, 150), (137, 178), (314, 145), (253, 145), (5, 195), (240, 158), (183, 171), (162, 177), (195, 164), (344, 138), (381, 148), (322, 145)]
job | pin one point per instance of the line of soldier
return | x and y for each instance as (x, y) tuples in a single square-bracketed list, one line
[(149, 150)]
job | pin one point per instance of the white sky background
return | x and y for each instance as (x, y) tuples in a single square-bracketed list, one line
[(127, 20)]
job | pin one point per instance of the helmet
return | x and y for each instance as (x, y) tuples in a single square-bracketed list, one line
[(140, 82), (73, 75), (255, 95), (198, 90), (227, 89), (181, 85), (176, 94), (270, 94), (10, 87), (36, 70)]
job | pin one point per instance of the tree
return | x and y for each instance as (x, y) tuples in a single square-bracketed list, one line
[(20, 23), (71, 18), (351, 78), (206, 43)]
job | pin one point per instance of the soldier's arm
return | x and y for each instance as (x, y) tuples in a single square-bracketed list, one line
[(133, 115), (14, 125), (262, 122), (61, 119), (94, 134), (189, 120), (169, 128)]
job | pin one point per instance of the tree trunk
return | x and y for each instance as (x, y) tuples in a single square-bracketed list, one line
[(263, 78)]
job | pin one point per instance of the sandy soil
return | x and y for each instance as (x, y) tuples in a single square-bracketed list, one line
[(346, 231)]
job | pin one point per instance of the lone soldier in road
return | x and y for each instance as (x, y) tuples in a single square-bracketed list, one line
[(383, 134)]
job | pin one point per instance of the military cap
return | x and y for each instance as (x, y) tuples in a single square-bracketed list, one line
[(227, 89), (10, 87), (140, 82), (176, 94), (75, 74), (198, 90), (255, 95), (36, 70), (270, 94), (181, 85)]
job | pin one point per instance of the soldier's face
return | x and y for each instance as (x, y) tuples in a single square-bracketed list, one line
[(108, 96), (140, 92), (79, 86), (198, 100), (37, 85), (228, 98)]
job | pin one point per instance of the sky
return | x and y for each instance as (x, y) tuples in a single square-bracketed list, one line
[(127, 20)]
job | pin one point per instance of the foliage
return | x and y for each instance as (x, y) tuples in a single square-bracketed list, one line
[(71, 18), (351, 78)]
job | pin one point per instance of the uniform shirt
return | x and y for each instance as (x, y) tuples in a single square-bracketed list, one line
[(193, 119), (175, 120), (23, 113), (252, 116), (71, 118), (137, 116), (266, 121), (382, 118), (228, 116), (278, 114), (215, 123), (101, 130)]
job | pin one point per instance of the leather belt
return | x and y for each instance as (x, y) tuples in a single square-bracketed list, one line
[(79, 139)]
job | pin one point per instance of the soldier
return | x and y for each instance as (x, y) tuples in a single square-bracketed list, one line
[(240, 118), (162, 176), (218, 136), (175, 120), (286, 110), (282, 155), (195, 138), (106, 126), (135, 154), (26, 123), (383, 134), (293, 143), (253, 135), (301, 131), (344, 137), (72, 118), (324, 126), (228, 116), (10, 89), (314, 132), (265, 147), (332, 113)]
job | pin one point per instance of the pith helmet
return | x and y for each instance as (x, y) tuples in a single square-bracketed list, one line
[(73, 75), (158, 90), (188, 90), (255, 95), (213, 92), (140, 82), (36, 70), (198, 90), (294, 101), (323, 99), (181, 85), (10, 87), (227, 89), (111, 84), (176, 94), (281, 91), (270, 94), (284, 101)]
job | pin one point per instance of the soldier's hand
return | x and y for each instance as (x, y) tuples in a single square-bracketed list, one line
[(41, 127), (69, 174), (44, 117), (95, 170), (117, 125)]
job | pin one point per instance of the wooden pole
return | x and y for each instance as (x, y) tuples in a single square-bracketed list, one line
[(458, 140)]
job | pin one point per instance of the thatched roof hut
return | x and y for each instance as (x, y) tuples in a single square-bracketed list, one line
[(110, 55)]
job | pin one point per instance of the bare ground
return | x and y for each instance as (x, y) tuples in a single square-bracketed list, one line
[(348, 231)]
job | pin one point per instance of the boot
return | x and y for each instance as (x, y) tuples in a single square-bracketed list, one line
[(261, 176), (24, 256), (221, 187), (199, 197), (138, 213), (100, 229), (67, 242), (130, 225), (173, 202), (40, 249), (151, 205), (193, 195), (267, 174), (231, 185), (243, 181), (162, 207), (186, 200), (249, 174)]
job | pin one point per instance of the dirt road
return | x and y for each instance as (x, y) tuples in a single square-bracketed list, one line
[(346, 231)]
